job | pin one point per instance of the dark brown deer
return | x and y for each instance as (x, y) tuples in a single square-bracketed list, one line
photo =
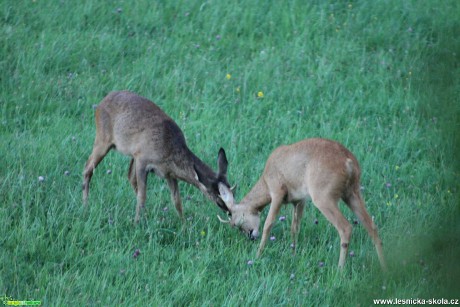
[(137, 127), (320, 169)]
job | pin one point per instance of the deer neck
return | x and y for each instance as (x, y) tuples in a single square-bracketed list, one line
[(259, 196), (186, 165)]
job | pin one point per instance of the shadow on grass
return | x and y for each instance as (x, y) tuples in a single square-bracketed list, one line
[(425, 264)]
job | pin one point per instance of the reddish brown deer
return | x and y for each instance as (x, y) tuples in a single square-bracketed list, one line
[(320, 169), (137, 127)]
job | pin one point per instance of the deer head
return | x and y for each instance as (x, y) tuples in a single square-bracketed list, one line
[(247, 220), (209, 182)]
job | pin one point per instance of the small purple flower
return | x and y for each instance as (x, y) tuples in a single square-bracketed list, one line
[(41, 178), (250, 262), (67, 173), (165, 209), (321, 264), (292, 245), (137, 252), (315, 221), (272, 238), (352, 254), (109, 171), (282, 218), (292, 276), (388, 184), (119, 10), (218, 37)]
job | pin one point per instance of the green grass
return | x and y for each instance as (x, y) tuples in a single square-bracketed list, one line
[(381, 77)]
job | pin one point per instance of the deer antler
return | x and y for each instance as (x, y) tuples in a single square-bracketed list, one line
[(222, 220)]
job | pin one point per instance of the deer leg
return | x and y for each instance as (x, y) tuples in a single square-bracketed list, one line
[(141, 177), (356, 204), (271, 218), (175, 196), (297, 213), (132, 175), (329, 208), (99, 152)]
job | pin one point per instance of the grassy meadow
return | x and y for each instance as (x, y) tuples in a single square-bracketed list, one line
[(381, 77)]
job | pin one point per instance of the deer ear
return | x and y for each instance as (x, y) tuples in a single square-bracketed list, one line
[(226, 195), (222, 163)]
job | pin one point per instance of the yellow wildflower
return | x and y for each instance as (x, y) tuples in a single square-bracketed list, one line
[(228, 76), (260, 94)]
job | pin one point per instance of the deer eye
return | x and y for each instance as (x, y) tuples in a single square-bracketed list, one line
[(240, 222)]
